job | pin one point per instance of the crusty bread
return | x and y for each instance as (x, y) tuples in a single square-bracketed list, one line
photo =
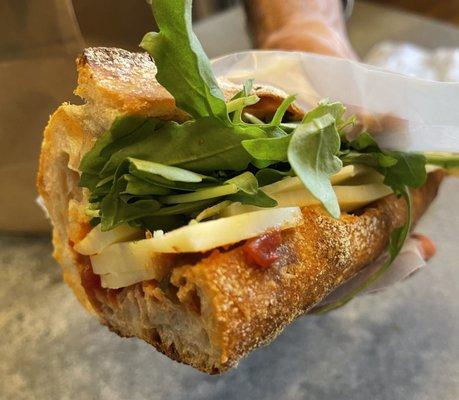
[(208, 310)]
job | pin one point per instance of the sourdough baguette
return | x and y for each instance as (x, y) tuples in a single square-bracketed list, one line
[(208, 310)]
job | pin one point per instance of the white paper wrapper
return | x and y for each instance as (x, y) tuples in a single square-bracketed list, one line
[(422, 113), (41, 203)]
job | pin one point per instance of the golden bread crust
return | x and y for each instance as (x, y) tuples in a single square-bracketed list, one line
[(126, 81), (123, 80)]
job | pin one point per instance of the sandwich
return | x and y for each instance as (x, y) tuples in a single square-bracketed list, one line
[(203, 216)]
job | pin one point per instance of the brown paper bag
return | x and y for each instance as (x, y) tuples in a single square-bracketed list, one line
[(39, 42)]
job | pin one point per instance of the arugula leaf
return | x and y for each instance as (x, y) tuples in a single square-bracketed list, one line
[(114, 139), (183, 208), (253, 120), (336, 110), (201, 145), (444, 160), (281, 110), (183, 67), (202, 194), (139, 187), (212, 211), (102, 188), (397, 240), (410, 170), (244, 187), (158, 180), (249, 193), (162, 222), (312, 153), (116, 211), (386, 160), (399, 169), (245, 182), (280, 149), (365, 142), (165, 171), (377, 160), (245, 92), (272, 148), (241, 102), (267, 176), (274, 131), (259, 199), (246, 89)]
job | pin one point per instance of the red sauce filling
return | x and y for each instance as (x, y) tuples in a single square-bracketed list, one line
[(91, 283), (262, 250), (89, 280)]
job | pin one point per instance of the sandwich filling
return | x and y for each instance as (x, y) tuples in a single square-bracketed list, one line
[(225, 176)]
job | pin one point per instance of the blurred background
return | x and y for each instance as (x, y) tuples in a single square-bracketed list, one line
[(137, 22), (40, 40)]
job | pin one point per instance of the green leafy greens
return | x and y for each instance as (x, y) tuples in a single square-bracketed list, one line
[(158, 174), (183, 67), (312, 153)]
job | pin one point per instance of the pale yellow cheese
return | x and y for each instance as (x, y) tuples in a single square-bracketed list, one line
[(96, 240)]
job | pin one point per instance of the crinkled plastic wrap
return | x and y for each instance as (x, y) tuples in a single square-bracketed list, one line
[(414, 114)]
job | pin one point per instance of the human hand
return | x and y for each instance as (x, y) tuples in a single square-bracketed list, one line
[(316, 26)]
